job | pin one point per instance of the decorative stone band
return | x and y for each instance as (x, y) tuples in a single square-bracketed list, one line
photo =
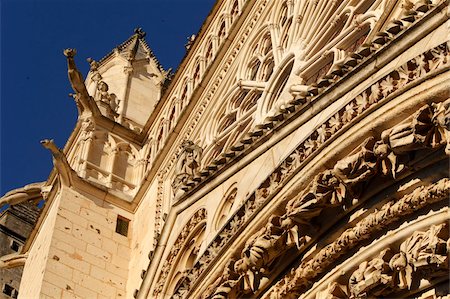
[(424, 255), (198, 217), (429, 128), (299, 279), (352, 61), (339, 187)]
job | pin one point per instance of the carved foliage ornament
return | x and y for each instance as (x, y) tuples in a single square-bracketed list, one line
[(383, 157), (424, 255), (198, 217), (340, 187)]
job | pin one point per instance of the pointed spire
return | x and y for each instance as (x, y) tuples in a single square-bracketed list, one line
[(134, 48)]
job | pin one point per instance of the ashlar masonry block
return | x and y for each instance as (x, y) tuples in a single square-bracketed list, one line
[(83, 243)]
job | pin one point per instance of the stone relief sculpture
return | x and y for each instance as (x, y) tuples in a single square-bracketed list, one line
[(110, 100), (66, 173), (340, 187), (188, 165), (77, 82), (390, 161), (422, 256)]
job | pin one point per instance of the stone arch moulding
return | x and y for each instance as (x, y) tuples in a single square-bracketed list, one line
[(346, 187), (382, 165), (173, 269), (225, 207)]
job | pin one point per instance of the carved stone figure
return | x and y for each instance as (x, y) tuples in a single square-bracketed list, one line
[(16, 196), (262, 248), (358, 167), (77, 83), (423, 251), (441, 119), (389, 163), (326, 190), (188, 165), (373, 276), (334, 291), (66, 173), (111, 101)]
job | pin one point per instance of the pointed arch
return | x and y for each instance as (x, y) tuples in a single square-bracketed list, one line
[(183, 254), (225, 207)]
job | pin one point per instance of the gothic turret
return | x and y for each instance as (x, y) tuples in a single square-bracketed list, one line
[(126, 83)]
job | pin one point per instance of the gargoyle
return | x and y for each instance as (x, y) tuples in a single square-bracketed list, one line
[(77, 83), (28, 192), (66, 173), (13, 260)]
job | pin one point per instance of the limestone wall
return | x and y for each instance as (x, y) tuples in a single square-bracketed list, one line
[(33, 272)]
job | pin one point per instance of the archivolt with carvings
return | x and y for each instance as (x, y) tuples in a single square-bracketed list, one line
[(424, 255), (341, 187), (434, 60), (169, 263)]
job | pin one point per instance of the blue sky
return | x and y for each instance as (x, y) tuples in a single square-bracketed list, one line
[(34, 102)]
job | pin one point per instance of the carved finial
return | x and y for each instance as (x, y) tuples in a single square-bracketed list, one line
[(140, 33), (93, 64)]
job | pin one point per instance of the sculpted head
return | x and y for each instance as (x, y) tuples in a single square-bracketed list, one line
[(70, 52), (47, 143)]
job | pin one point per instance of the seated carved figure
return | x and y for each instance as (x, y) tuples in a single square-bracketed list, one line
[(188, 165)]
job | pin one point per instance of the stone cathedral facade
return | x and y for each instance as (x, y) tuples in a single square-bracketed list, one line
[(300, 150)]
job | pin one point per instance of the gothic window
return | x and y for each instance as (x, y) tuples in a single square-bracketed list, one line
[(209, 53), (279, 88), (261, 64), (267, 69), (159, 139), (234, 10), (222, 32), (227, 121), (184, 95), (196, 75), (124, 163), (190, 240), (97, 153), (254, 68), (250, 101), (172, 117), (282, 20)]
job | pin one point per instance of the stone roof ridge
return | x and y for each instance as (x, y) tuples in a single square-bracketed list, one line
[(134, 40)]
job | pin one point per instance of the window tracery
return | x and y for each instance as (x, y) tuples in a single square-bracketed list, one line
[(209, 53), (222, 32), (234, 12)]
